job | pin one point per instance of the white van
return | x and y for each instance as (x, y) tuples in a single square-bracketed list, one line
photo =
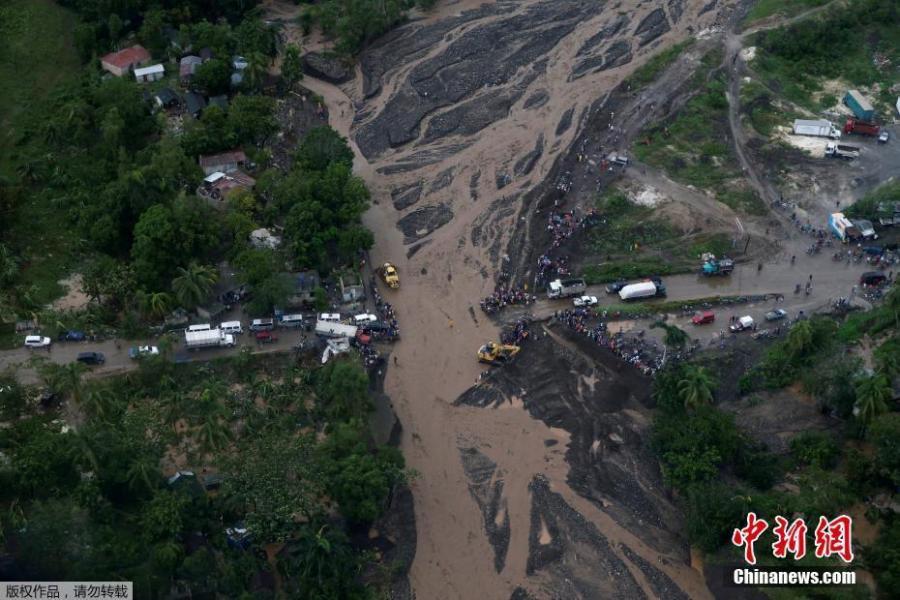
[(262, 325), (330, 317), (364, 318), (200, 327), (232, 327), (292, 321)]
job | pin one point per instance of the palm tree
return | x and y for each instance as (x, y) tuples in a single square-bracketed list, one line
[(257, 67), (193, 284), (64, 379), (155, 304), (143, 474), (800, 338), (213, 433), (99, 402), (696, 387), (873, 394)]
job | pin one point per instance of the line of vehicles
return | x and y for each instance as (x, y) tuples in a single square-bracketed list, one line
[(567, 288), (326, 325)]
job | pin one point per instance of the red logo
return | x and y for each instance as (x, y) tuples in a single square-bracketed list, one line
[(748, 535), (831, 537)]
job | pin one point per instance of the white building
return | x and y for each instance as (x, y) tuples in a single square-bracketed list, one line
[(148, 74)]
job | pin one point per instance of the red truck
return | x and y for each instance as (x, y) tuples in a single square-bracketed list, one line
[(861, 127)]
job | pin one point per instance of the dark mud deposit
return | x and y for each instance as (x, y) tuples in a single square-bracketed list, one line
[(570, 384), (486, 487), (482, 72)]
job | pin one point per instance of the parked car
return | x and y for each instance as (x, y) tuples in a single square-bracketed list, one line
[(37, 341), (585, 301), (91, 358), (72, 335), (776, 315), (703, 318), (883, 137), (266, 337), (615, 286), (136, 352)]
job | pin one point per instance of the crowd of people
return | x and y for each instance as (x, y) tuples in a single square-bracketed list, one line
[(387, 314), (646, 356), (501, 298), (561, 225)]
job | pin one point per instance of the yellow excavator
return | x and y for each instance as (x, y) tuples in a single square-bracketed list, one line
[(493, 353), (388, 272)]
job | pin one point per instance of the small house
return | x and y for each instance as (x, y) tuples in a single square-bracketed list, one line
[(305, 284), (122, 62), (148, 74), (225, 162), (218, 186), (165, 98), (194, 104), (239, 63), (187, 66), (352, 289)]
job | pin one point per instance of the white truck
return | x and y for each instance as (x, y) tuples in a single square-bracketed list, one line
[(817, 128), (566, 288), (330, 329), (644, 289), (834, 150), (211, 338)]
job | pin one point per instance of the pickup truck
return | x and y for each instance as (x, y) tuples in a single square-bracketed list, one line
[(742, 324)]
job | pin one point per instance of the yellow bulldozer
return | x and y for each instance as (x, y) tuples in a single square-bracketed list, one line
[(389, 274), (493, 353)]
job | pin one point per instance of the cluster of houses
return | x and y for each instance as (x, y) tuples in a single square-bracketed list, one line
[(136, 60)]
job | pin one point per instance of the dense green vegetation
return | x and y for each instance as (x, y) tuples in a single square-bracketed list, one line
[(788, 8), (632, 242), (288, 445), (721, 472), (99, 180), (842, 43), (694, 147)]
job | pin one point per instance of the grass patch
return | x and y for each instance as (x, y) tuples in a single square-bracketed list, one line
[(38, 57), (36, 45), (716, 243), (639, 308), (742, 200), (656, 65), (594, 274), (635, 243), (786, 8)]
